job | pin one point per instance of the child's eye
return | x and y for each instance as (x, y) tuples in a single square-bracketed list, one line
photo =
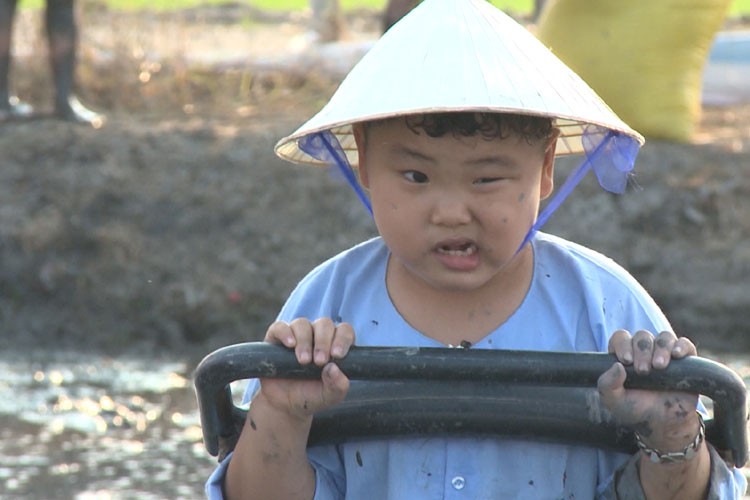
[(416, 177), (487, 180)]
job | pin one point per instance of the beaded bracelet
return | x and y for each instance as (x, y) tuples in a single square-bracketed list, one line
[(660, 457)]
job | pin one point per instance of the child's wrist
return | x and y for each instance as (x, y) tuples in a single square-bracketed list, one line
[(677, 445), (263, 407)]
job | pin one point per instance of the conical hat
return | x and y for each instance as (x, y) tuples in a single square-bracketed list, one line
[(458, 55)]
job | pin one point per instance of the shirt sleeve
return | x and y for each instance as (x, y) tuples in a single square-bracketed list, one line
[(330, 481), (215, 483), (325, 461), (725, 483)]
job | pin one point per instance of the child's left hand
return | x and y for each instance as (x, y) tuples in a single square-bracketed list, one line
[(664, 419)]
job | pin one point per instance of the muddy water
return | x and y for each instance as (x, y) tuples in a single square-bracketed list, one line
[(75, 427)]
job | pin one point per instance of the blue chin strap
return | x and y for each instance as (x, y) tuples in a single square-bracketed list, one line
[(324, 146), (611, 155)]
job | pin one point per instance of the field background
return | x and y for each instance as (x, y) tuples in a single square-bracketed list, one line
[(739, 7), (174, 227)]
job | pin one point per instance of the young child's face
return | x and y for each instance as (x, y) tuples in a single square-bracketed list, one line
[(452, 210)]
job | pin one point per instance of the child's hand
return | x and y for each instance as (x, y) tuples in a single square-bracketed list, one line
[(318, 342), (665, 420)]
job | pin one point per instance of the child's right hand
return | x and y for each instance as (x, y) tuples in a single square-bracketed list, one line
[(318, 342)]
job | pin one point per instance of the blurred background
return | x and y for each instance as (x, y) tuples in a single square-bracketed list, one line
[(132, 248)]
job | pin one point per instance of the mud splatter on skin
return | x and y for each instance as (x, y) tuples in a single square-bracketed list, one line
[(679, 408), (644, 344), (682, 412), (662, 343), (521, 197), (252, 425), (274, 454), (643, 428)]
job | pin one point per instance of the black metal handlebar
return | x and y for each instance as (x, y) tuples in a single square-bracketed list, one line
[(410, 390)]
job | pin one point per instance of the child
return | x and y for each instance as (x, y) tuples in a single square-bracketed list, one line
[(453, 121)]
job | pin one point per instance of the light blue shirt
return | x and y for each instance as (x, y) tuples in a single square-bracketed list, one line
[(577, 299)]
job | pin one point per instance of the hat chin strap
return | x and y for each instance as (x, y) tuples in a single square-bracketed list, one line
[(325, 147), (611, 155)]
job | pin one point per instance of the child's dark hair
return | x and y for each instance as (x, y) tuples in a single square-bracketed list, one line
[(532, 129)]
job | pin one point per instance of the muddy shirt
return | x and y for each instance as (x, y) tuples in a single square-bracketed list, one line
[(577, 298)]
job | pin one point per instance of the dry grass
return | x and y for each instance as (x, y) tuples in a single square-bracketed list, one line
[(191, 61), (169, 65)]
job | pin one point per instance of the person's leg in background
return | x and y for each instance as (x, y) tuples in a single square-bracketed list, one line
[(326, 19), (62, 35), (10, 106)]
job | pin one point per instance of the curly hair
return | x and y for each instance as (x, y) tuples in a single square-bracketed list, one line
[(533, 129)]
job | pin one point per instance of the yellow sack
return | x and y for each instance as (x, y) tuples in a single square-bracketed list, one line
[(645, 58)]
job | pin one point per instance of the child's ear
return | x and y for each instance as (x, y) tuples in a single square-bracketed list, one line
[(360, 140), (548, 167)]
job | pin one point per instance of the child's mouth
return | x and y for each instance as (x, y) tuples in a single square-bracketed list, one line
[(458, 249), (458, 255)]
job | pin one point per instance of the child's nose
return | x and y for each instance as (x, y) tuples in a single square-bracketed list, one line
[(450, 210)]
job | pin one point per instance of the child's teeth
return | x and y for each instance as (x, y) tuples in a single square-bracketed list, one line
[(466, 249)]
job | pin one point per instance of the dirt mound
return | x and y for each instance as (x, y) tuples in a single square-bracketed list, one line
[(175, 228)]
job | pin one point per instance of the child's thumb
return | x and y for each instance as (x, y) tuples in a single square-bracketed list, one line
[(611, 385), (335, 384)]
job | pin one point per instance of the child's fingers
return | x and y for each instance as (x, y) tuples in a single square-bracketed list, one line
[(280, 333), (323, 330), (663, 345), (621, 345), (331, 340), (318, 341), (343, 339), (302, 330), (684, 347), (643, 351)]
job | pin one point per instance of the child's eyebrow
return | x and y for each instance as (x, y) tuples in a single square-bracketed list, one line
[(493, 160), (404, 150)]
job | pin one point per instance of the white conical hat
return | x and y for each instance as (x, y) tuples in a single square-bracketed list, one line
[(458, 55)]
